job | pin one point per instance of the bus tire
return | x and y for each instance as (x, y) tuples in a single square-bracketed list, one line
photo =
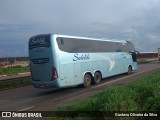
[(97, 78), (129, 70), (87, 80)]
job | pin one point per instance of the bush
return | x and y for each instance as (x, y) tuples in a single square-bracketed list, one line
[(142, 95), (13, 70)]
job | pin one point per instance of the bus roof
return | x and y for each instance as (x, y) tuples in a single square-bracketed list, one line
[(89, 38)]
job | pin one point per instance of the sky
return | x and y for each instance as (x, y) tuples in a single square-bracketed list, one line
[(137, 21)]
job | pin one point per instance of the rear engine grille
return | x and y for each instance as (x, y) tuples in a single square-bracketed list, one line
[(40, 61)]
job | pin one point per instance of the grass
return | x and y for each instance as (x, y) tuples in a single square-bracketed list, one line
[(141, 95), (15, 83), (147, 60), (13, 70)]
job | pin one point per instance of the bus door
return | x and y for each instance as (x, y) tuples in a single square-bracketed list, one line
[(67, 74), (123, 62)]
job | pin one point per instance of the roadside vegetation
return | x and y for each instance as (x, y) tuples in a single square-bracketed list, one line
[(147, 60), (13, 70), (14, 84), (141, 95)]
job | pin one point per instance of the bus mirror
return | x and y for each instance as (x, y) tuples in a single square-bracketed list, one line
[(137, 52)]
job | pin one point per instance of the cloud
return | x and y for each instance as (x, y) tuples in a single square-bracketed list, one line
[(134, 20)]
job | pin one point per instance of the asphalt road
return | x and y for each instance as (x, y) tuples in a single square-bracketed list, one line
[(32, 99)]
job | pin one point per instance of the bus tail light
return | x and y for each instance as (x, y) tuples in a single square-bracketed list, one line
[(54, 73)]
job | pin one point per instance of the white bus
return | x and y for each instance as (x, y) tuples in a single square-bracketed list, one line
[(58, 61)]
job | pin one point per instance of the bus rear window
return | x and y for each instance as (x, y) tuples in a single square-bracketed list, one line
[(39, 41)]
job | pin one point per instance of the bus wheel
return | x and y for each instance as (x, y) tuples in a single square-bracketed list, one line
[(97, 78), (87, 80), (129, 70)]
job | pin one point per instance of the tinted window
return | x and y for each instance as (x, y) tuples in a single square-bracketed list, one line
[(39, 41), (73, 45)]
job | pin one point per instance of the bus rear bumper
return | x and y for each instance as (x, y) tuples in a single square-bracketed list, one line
[(45, 86)]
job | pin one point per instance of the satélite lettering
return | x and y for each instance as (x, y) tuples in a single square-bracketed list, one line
[(78, 57)]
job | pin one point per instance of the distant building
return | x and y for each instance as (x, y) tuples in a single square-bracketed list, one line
[(159, 53), (147, 55)]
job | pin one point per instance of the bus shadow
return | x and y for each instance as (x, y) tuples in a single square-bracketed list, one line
[(60, 90)]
